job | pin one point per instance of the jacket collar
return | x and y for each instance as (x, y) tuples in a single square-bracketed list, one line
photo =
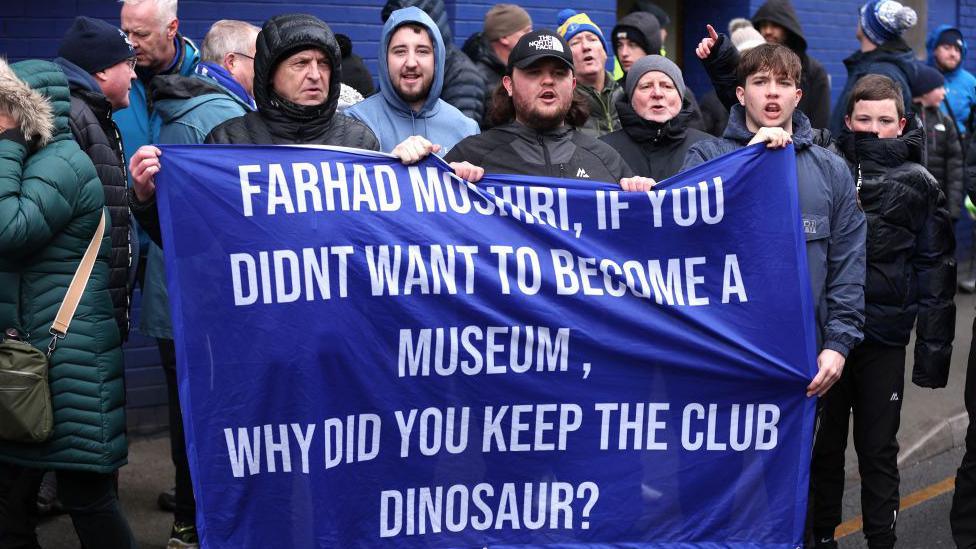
[(738, 132)]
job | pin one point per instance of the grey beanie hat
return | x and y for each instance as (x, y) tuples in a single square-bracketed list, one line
[(650, 63)]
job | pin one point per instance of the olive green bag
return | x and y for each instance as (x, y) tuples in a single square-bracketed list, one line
[(26, 413)]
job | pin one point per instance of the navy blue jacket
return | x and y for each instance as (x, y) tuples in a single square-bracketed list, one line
[(834, 224)]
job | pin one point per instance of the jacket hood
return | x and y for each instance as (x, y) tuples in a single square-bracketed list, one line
[(281, 36), (783, 14), (934, 36), (174, 95), (78, 78), (397, 19), (646, 131), (434, 8), (737, 131), (896, 52), (33, 109), (644, 23)]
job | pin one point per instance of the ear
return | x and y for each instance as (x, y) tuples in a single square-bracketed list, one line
[(740, 94), (901, 125), (574, 82), (799, 95), (229, 60), (847, 122), (100, 76), (171, 28), (507, 82)]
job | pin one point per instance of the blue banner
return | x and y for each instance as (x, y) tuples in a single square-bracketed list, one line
[(371, 354)]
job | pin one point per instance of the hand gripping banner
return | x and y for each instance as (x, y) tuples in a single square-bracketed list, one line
[(376, 355)]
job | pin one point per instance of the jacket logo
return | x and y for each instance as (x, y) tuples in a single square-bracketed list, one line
[(547, 43), (940, 127), (809, 226), (582, 173), (894, 397)]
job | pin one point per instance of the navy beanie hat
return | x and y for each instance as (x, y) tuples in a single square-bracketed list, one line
[(884, 20), (95, 45), (926, 79)]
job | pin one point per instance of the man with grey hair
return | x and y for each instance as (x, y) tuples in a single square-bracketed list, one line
[(185, 109), (153, 29)]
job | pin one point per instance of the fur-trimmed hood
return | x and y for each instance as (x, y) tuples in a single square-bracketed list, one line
[(31, 108)]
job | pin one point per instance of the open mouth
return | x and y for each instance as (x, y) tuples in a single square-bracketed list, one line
[(547, 95), (410, 77), (772, 109)]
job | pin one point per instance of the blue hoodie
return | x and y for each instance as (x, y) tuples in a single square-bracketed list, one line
[(960, 84), (391, 118)]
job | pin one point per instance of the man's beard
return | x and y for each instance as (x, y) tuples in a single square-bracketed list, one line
[(538, 120), (945, 68), (421, 95)]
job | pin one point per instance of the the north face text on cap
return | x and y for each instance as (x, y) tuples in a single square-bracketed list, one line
[(547, 43)]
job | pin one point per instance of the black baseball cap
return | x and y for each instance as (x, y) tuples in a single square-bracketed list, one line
[(538, 45)]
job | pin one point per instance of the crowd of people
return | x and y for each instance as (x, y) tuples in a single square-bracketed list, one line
[(883, 176)]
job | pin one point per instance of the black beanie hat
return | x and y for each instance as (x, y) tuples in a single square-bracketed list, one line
[(95, 45), (950, 36), (926, 79)]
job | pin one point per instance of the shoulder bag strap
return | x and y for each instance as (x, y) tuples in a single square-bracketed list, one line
[(59, 328)]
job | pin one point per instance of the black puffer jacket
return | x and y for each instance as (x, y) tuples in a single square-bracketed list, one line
[(943, 156), (563, 152), (815, 102), (281, 122), (92, 126), (653, 149), (489, 66), (911, 271), (463, 85)]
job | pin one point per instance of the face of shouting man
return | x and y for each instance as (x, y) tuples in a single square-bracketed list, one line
[(410, 61), (656, 98), (542, 93), (769, 99), (303, 77), (589, 58)]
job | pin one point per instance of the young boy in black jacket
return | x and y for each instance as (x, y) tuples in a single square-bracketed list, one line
[(944, 157), (911, 275)]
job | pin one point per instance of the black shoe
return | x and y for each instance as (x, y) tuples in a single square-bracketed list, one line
[(825, 543), (167, 500), (183, 536)]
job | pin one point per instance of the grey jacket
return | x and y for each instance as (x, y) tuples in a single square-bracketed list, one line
[(834, 224)]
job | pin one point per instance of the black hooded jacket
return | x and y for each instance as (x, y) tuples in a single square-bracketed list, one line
[(96, 133), (654, 149), (281, 122), (464, 88), (815, 102), (911, 271), (646, 25)]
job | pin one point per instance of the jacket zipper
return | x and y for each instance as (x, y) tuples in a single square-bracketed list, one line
[(545, 154)]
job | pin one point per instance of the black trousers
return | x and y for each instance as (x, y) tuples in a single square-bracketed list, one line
[(962, 518), (872, 386), (90, 498), (185, 504)]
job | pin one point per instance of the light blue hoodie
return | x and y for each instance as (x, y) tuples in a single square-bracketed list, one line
[(391, 118), (960, 84)]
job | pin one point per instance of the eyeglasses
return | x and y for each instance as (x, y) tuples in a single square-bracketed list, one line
[(243, 55)]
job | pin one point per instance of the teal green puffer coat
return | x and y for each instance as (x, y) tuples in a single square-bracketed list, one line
[(50, 204)]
